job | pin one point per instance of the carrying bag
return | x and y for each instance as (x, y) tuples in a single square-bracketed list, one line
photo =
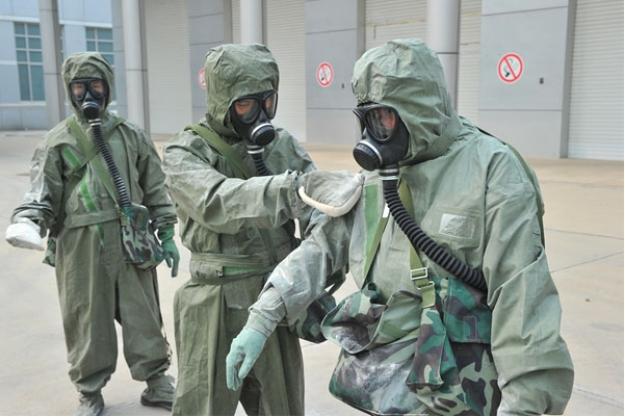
[(396, 357), (141, 247), (308, 325)]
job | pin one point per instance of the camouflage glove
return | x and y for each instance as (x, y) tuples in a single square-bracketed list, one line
[(172, 257), (244, 351), (333, 193)]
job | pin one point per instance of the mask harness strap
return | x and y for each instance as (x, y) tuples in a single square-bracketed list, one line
[(421, 241)]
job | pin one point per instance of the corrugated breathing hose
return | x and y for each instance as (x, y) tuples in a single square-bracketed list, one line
[(422, 242)]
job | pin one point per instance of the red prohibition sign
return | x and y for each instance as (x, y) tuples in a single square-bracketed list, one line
[(324, 74), (510, 67)]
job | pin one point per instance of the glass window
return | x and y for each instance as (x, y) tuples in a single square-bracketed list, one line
[(28, 55), (100, 40)]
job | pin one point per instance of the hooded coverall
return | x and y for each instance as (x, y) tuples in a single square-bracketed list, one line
[(475, 197), (233, 229), (96, 285)]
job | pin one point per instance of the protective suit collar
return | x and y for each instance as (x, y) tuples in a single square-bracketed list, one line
[(232, 71), (406, 75)]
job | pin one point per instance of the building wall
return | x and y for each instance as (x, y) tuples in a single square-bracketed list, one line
[(74, 17), (210, 24), (168, 65), (529, 113)]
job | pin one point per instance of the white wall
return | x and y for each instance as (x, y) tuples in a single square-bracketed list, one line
[(168, 65)]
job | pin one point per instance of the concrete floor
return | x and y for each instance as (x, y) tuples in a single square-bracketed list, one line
[(584, 225)]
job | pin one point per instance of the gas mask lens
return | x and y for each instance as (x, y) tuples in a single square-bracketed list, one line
[(379, 120), (95, 86), (247, 108)]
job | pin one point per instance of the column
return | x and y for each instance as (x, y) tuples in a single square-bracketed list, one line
[(251, 19), (51, 46), (135, 69), (443, 21)]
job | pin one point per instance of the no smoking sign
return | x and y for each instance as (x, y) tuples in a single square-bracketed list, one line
[(324, 74), (510, 68)]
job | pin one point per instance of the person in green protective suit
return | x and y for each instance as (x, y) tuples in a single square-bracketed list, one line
[(466, 323), (233, 180), (96, 286)]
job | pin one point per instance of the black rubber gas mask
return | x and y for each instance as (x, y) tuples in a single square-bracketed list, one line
[(384, 139), (89, 95), (251, 117)]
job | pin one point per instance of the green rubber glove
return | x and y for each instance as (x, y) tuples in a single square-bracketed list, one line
[(244, 352), (172, 256)]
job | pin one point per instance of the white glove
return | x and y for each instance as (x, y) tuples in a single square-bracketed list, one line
[(24, 234), (333, 193)]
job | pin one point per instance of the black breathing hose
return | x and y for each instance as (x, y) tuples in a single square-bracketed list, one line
[(120, 186), (257, 156), (423, 242)]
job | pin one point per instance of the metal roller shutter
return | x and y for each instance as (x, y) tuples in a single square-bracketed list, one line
[(392, 19), (286, 38), (596, 114), (469, 59)]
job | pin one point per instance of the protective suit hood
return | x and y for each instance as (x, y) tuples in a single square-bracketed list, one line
[(86, 65), (408, 76), (232, 71)]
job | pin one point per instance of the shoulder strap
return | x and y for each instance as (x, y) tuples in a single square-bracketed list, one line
[(87, 148), (222, 148), (540, 207), (418, 273), (416, 265)]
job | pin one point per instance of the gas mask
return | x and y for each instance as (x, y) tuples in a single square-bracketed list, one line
[(251, 117), (384, 139), (89, 95)]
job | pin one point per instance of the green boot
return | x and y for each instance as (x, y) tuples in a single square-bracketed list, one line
[(160, 392), (91, 404)]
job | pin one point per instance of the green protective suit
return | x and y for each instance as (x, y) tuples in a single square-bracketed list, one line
[(94, 282), (501, 351), (221, 216)]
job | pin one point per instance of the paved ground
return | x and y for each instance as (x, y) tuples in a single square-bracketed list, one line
[(584, 223)]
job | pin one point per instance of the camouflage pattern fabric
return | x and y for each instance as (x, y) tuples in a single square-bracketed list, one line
[(140, 245), (399, 358)]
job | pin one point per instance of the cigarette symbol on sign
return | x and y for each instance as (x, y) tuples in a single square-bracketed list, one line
[(510, 67)]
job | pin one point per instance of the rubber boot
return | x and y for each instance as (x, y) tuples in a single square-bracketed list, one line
[(160, 392), (91, 404)]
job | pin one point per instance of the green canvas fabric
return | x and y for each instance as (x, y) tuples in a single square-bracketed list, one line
[(473, 195), (220, 217), (95, 284)]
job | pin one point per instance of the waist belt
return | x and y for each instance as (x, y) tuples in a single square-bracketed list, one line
[(218, 268), (88, 219)]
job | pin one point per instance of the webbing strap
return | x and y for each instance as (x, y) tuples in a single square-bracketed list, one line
[(223, 148), (373, 248), (418, 273)]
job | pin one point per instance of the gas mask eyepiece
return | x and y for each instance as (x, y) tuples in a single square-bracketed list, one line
[(89, 94), (384, 139), (251, 117)]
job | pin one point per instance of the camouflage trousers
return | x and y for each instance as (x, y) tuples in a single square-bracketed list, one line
[(398, 358)]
